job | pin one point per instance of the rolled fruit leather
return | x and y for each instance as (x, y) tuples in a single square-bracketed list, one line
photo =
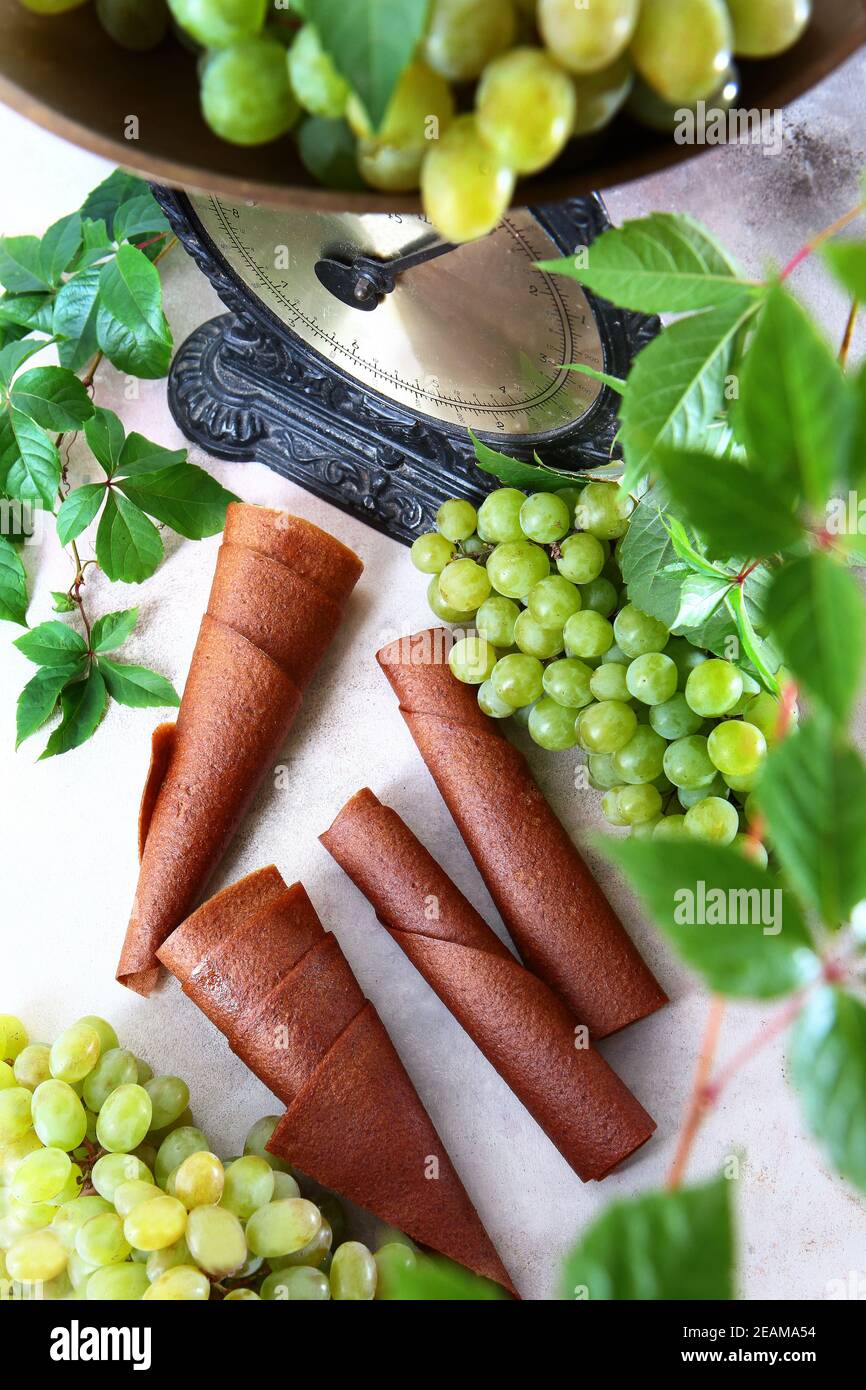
[(257, 961), (278, 596), (562, 924), (522, 1028)]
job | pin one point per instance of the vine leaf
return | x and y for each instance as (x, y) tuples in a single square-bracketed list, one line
[(815, 610), (83, 704), (828, 1063)]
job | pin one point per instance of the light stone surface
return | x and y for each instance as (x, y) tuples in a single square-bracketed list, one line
[(68, 825)]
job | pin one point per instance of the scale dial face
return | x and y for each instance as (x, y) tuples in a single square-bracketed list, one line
[(476, 339)]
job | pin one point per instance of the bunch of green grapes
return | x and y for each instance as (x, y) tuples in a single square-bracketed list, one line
[(496, 90), (675, 737), (108, 1190)]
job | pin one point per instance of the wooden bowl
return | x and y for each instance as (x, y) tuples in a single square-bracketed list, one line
[(66, 74)]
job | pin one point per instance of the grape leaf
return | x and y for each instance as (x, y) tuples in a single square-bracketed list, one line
[(536, 477), (847, 260), (650, 568), (38, 700), (813, 794), (700, 596), (29, 460), (136, 686), (75, 314), (138, 216), (21, 265), (78, 510), (103, 202), (106, 437), (727, 918), (13, 585), (60, 247), (83, 705), (53, 397), (182, 496), (34, 312), (733, 507), (664, 263), (329, 151), (52, 644), (62, 602), (616, 383), (14, 355), (660, 1246), (131, 328), (828, 1064), (371, 43), (112, 630), (128, 546), (815, 610), (140, 455)]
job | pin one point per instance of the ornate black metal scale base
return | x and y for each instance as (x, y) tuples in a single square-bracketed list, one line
[(360, 350)]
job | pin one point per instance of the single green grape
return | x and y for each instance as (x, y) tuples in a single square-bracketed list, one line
[(568, 682), (181, 1284), (642, 758), (737, 749), (353, 1273), (169, 1257), (652, 678), (499, 516), (713, 820), (130, 1194), (544, 517), (751, 688), (216, 1240), (245, 93), (58, 1115), (765, 712), (685, 657), (124, 1119), (496, 617), (41, 1175), (120, 1283), (587, 634), (457, 520), (671, 828), (690, 796), (70, 1217), (643, 830), (442, 610), (610, 807), (51, 6), (104, 1031), (169, 1098), (639, 803), (465, 185), (100, 1241), (649, 109), (431, 552), (552, 725), (35, 1258), (599, 596), (492, 704), (525, 108), (75, 1053), (281, 1227), (32, 1066), (138, 25), (111, 1170), (393, 1259), (600, 95), (13, 1037), (257, 1140), (464, 585), (608, 682), (603, 511), (155, 1223), (472, 660), (317, 85), (586, 38), (751, 849), (218, 23), (602, 773), (516, 566), (13, 1150), (463, 36), (606, 727), (535, 640), (673, 718), (249, 1184), (303, 1284), (713, 688), (145, 1071), (687, 762), (552, 601), (117, 1067), (682, 47), (763, 28), (199, 1180), (581, 558), (637, 633), (518, 679), (242, 1295), (314, 1255), (7, 1076)]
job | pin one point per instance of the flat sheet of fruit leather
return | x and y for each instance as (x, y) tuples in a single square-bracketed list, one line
[(558, 917), (522, 1028), (277, 599), (359, 1127)]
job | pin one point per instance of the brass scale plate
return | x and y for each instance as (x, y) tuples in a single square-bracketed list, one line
[(477, 339)]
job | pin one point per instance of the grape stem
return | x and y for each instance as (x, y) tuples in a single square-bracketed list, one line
[(816, 241), (849, 334)]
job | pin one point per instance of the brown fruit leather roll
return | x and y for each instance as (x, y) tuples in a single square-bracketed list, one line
[(522, 1028), (259, 964), (278, 596), (561, 922)]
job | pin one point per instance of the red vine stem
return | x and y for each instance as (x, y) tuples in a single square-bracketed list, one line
[(697, 1104), (806, 251)]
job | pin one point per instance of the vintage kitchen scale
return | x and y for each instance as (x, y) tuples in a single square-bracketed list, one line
[(361, 349)]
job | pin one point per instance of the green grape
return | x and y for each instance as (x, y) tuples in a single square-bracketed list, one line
[(602, 773), (600, 95), (258, 1138), (138, 25), (218, 23), (713, 688), (100, 1241), (216, 1240), (245, 93), (587, 634), (69, 1218), (456, 520), (75, 1053), (35, 1258), (176, 1147), (303, 1283), (104, 1031), (13, 1037), (421, 108), (12, 1152), (765, 712), (475, 547), (472, 660), (31, 1067), (465, 186), (525, 108), (645, 829), (614, 654), (111, 1170), (71, 1188), (317, 85), (652, 678), (606, 727), (751, 688), (51, 6), (7, 1076), (464, 585), (682, 47), (552, 601), (124, 1119), (603, 510), (117, 1067), (673, 719), (169, 1257), (169, 1098), (763, 28), (353, 1273), (431, 552), (249, 1184), (646, 106), (642, 758), (581, 558), (495, 619), (609, 683), (15, 1113), (544, 517), (199, 1180), (41, 1175), (685, 657), (671, 828), (751, 849), (535, 640), (282, 1227), (183, 1283), (145, 1071), (442, 611), (552, 725), (737, 749), (490, 703), (515, 567), (690, 796), (242, 1296), (637, 633), (392, 1260), (599, 596), (155, 1223), (518, 679), (568, 682), (130, 1194), (687, 762), (463, 35), (28, 1216), (499, 516), (314, 1255), (121, 1283), (639, 803), (588, 37), (610, 807), (713, 820)]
